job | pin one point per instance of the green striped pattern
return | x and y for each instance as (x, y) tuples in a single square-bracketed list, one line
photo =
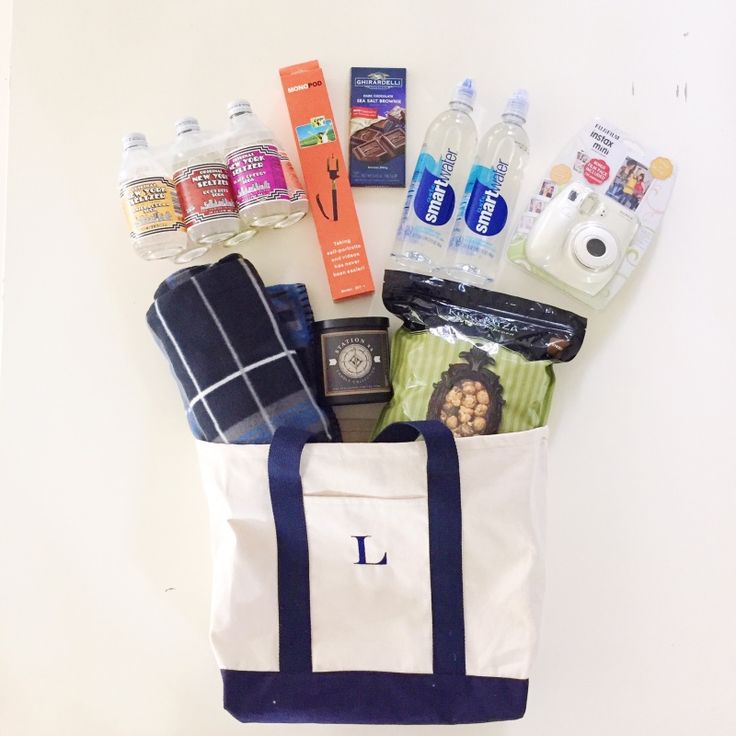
[(418, 360)]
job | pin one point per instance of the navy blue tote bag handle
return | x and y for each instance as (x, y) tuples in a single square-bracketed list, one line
[(445, 544)]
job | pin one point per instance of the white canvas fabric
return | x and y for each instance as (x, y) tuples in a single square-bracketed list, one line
[(370, 616)]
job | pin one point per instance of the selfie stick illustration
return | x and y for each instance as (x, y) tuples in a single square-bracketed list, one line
[(333, 170)]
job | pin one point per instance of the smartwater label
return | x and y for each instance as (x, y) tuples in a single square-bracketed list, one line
[(487, 211), (484, 211), (434, 201)]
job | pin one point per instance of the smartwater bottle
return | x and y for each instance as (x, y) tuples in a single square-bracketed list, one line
[(477, 239), (436, 186)]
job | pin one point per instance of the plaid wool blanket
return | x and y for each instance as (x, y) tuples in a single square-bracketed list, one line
[(237, 355)]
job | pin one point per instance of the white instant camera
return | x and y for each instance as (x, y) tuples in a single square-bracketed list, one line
[(580, 238)]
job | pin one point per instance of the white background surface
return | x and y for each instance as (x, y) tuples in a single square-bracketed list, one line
[(5, 33), (104, 552)]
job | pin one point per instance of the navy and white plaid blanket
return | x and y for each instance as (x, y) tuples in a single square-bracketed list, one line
[(232, 354)]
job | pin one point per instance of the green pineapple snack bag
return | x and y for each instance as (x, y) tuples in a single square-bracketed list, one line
[(478, 361)]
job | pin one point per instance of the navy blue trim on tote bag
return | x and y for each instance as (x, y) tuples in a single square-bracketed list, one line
[(295, 694), (371, 698), (445, 540)]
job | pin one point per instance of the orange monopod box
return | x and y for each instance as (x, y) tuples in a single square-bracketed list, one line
[(326, 180)]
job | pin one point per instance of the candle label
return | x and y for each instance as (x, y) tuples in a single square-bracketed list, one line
[(355, 362), (256, 175), (205, 194), (151, 206)]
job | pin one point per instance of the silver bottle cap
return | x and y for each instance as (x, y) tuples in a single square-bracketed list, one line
[(134, 140), (186, 125), (238, 107)]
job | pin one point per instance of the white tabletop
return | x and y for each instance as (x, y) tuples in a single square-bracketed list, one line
[(104, 546)]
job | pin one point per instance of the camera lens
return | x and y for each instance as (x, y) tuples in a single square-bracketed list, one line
[(596, 247)]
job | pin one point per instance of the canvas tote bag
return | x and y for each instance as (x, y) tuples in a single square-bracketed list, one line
[(391, 582)]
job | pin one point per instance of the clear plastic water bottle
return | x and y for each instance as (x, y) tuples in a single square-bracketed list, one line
[(477, 240), (298, 203), (203, 186), (150, 202), (436, 186), (256, 173)]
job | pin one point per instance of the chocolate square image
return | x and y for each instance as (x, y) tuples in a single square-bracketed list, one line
[(365, 134), (386, 125), (395, 141), (372, 152)]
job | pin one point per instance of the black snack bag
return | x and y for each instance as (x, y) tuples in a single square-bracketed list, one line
[(479, 361), (537, 330)]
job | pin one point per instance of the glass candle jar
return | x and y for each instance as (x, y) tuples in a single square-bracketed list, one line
[(354, 356)]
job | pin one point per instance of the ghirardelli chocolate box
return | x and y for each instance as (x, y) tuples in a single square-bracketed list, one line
[(377, 127)]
